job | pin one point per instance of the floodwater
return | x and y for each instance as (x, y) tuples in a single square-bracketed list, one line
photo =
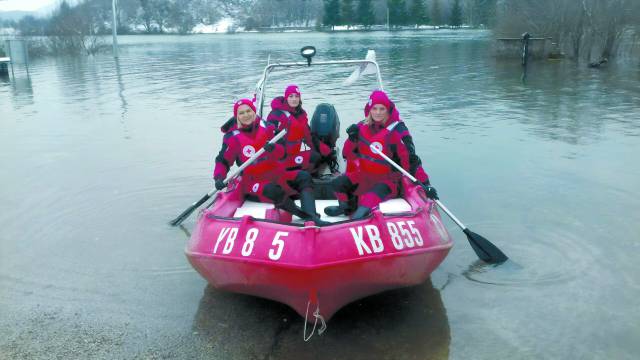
[(97, 155)]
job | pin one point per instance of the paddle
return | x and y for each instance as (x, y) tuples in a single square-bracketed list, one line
[(185, 214), (485, 250)]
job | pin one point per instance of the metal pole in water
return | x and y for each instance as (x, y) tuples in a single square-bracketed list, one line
[(387, 17), (114, 25), (525, 55), (525, 48)]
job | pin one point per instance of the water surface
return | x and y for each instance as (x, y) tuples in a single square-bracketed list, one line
[(96, 156)]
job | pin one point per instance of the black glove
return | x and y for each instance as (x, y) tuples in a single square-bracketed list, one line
[(353, 131), (431, 191), (268, 147), (220, 184), (331, 155)]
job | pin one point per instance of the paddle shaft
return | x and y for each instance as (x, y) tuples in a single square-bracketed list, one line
[(482, 247), (414, 180), (233, 174), (251, 159)]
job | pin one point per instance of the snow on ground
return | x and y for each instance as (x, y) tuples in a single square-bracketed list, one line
[(8, 31), (225, 25)]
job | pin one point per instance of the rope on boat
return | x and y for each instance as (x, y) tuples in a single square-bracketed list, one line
[(317, 316)]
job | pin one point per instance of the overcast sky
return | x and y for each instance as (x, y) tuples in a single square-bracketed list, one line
[(26, 5)]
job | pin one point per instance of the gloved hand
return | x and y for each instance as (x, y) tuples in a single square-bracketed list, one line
[(353, 132), (324, 149), (268, 147), (332, 155), (220, 184), (430, 191)]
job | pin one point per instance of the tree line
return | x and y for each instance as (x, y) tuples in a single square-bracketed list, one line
[(398, 13), (582, 28), (181, 16)]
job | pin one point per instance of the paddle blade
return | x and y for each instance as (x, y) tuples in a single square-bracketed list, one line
[(485, 250), (185, 214)]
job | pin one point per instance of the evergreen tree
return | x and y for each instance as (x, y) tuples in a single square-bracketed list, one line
[(331, 15), (456, 14), (397, 12), (365, 13), (347, 16), (486, 12), (436, 13), (418, 13)]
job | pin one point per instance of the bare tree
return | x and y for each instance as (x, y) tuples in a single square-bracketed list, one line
[(584, 29)]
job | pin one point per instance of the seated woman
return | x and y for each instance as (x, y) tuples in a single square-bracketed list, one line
[(415, 164), (303, 153), (374, 180), (266, 179)]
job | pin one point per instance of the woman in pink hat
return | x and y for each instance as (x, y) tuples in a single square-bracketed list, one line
[(265, 179), (303, 153), (375, 180)]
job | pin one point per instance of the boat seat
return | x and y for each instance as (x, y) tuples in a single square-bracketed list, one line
[(260, 210)]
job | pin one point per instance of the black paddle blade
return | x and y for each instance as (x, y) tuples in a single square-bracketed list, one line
[(185, 214), (485, 250)]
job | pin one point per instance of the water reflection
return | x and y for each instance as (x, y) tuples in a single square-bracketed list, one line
[(408, 323), (123, 101), (549, 161), (22, 90), (568, 103)]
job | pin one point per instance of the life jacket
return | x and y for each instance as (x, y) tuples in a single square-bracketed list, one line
[(370, 162), (249, 143), (298, 152)]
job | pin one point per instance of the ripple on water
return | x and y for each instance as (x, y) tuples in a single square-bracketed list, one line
[(536, 257)]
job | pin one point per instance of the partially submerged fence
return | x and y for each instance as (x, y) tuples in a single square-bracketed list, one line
[(537, 47), (16, 54)]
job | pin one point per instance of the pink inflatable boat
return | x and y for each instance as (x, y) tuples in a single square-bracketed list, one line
[(253, 248)]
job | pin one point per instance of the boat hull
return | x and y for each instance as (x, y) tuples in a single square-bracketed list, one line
[(309, 268)]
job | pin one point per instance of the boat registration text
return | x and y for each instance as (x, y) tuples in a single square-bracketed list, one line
[(366, 238)]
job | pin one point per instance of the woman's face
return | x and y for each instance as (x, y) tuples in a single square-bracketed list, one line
[(245, 115), (293, 100), (379, 113)]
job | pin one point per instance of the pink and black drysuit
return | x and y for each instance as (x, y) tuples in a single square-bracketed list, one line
[(266, 179), (303, 153), (369, 178)]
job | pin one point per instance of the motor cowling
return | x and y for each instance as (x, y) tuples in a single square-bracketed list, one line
[(325, 124), (325, 128)]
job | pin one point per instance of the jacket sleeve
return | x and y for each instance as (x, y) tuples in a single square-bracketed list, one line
[(308, 140), (226, 157), (320, 146), (350, 150), (279, 152), (415, 164), (273, 119), (307, 135), (401, 153)]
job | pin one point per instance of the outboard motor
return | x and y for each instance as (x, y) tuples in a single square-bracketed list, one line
[(325, 128), (325, 124)]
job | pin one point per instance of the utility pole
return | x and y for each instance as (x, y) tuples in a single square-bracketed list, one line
[(114, 25), (387, 17)]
